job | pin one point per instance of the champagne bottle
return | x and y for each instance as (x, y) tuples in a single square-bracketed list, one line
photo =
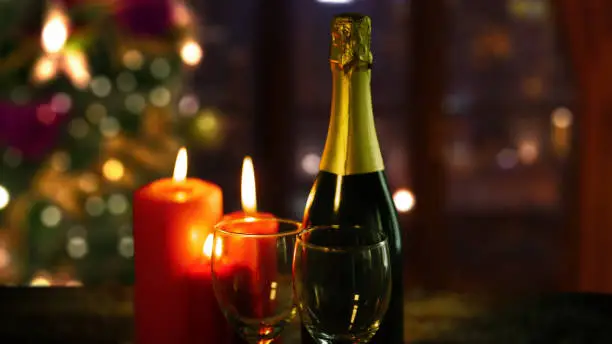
[(351, 187)]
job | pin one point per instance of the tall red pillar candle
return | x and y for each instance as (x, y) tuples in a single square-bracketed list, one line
[(173, 298)]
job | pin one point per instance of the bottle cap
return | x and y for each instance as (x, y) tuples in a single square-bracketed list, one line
[(351, 39)]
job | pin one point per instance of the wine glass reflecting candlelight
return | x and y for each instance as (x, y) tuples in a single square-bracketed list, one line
[(258, 303), (342, 282)]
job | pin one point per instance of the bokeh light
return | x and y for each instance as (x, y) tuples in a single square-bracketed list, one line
[(160, 96), (110, 127), (5, 197), (94, 206), (135, 103), (51, 216), (113, 170), (126, 82), (95, 112), (45, 114), (77, 247), (117, 204), (191, 53), (404, 200), (562, 118), (101, 86), (78, 128), (126, 247), (310, 163), (189, 105), (507, 158), (55, 32), (133, 59), (160, 68), (61, 102)]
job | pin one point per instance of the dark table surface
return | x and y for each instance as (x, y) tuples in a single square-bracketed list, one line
[(104, 315)]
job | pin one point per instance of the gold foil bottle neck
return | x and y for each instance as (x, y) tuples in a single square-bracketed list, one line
[(351, 40)]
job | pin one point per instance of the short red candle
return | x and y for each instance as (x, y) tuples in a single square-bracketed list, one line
[(254, 256), (173, 301)]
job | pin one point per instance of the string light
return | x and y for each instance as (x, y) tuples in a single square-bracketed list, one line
[(51, 216), (60, 161), (126, 82), (188, 105), (113, 170), (126, 247), (95, 112), (160, 96), (207, 122), (45, 114), (101, 86), (55, 31), (61, 102), (160, 68), (404, 200), (94, 206), (5, 197), (110, 127), (133, 59), (44, 70), (76, 68), (78, 128), (117, 204), (191, 53), (135, 103), (77, 247), (208, 127)]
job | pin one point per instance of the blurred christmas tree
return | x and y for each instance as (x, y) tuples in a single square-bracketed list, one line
[(87, 97)]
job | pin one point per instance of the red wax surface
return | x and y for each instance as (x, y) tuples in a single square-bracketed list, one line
[(173, 298), (257, 254)]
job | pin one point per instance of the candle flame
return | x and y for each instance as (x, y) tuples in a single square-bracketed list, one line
[(180, 166), (55, 32), (248, 193), (208, 246)]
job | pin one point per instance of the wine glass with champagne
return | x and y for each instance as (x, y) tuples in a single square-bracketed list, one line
[(342, 282)]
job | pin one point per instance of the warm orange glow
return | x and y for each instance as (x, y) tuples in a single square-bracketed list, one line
[(113, 170), (40, 282), (191, 53), (44, 69), (180, 166), (404, 200), (208, 246), (55, 32), (77, 68), (247, 185)]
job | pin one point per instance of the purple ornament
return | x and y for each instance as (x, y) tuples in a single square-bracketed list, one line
[(32, 129), (146, 17)]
